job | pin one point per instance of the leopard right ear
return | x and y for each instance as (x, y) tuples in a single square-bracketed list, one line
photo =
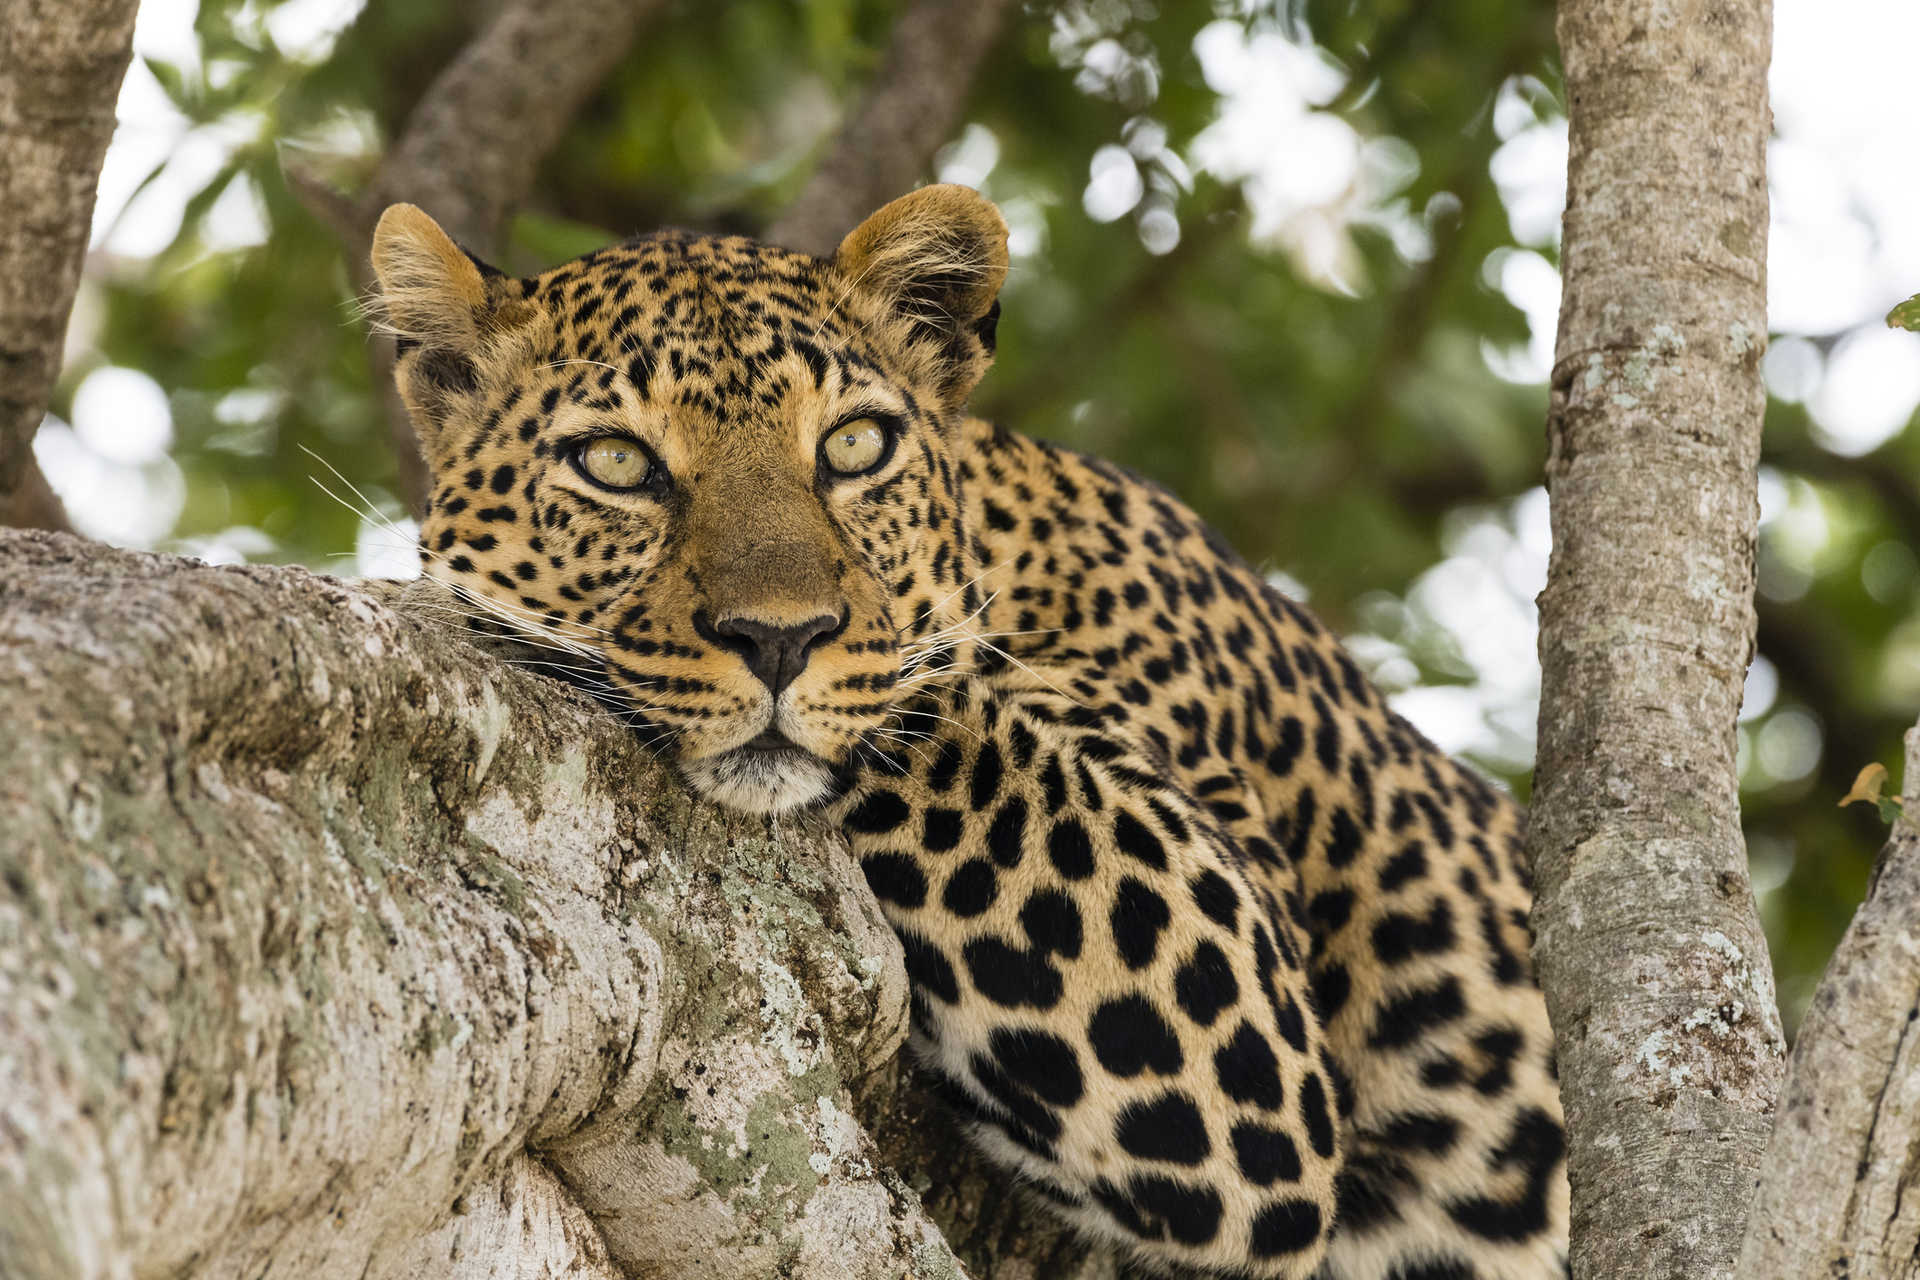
[(937, 256), (446, 309)]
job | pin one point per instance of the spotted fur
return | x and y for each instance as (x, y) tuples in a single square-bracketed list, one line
[(1228, 963)]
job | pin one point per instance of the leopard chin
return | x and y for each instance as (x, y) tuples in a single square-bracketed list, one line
[(763, 782)]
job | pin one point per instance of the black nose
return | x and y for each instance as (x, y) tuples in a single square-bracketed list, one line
[(774, 653)]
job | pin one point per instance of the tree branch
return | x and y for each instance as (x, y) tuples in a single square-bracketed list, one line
[(1835, 1195), (887, 141), (333, 948), (1646, 937), (61, 63)]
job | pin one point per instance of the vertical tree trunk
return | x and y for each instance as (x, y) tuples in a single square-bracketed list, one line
[(61, 63), (1649, 948)]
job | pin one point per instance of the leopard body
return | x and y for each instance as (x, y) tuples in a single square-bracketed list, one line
[(1224, 959)]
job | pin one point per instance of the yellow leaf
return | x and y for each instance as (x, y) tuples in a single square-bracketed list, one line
[(1867, 786)]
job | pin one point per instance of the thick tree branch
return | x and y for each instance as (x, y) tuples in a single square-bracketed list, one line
[(1649, 948), (61, 63), (887, 141), (330, 947), (1836, 1197)]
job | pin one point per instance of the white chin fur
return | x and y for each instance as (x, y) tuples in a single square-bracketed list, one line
[(760, 781)]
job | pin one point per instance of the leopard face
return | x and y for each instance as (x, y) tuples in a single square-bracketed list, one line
[(716, 476)]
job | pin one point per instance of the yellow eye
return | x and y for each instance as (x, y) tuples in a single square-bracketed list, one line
[(616, 462), (854, 447)]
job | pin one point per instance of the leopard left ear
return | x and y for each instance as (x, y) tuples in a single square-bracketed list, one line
[(938, 256)]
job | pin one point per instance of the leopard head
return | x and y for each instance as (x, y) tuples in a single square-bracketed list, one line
[(716, 476)]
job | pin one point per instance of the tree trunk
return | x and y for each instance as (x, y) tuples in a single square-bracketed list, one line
[(329, 946), (1649, 948), (61, 63), (475, 140)]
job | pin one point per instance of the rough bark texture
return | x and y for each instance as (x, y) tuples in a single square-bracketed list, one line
[(61, 63), (1648, 945), (1837, 1197), (889, 138), (329, 946)]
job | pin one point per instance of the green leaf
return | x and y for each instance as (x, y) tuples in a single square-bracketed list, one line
[(1906, 315), (173, 83)]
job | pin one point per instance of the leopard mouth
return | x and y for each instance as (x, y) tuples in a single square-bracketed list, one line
[(768, 774), (771, 739)]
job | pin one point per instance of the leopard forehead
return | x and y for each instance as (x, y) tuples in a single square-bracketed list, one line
[(717, 327), (729, 361)]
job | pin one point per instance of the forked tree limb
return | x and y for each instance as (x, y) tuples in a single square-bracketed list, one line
[(1839, 1193), (1649, 948), (61, 63), (891, 134)]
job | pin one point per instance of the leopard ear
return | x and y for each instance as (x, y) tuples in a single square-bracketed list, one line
[(938, 256), (447, 311)]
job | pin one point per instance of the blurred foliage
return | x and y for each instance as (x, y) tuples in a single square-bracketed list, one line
[(1318, 377)]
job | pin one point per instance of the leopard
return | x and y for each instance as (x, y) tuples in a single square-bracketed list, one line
[(1219, 958)]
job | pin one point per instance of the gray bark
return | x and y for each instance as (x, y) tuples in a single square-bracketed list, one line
[(330, 947), (61, 63), (1836, 1195), (889, 137), (1648, 945)]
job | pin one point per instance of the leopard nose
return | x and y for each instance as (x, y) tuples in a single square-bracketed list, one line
[(776, 653)]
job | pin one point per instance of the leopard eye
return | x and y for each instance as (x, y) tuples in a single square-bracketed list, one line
[(856, 447), (615, 462)]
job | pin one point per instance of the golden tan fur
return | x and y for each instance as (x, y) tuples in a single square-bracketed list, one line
[(1228, 963)]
